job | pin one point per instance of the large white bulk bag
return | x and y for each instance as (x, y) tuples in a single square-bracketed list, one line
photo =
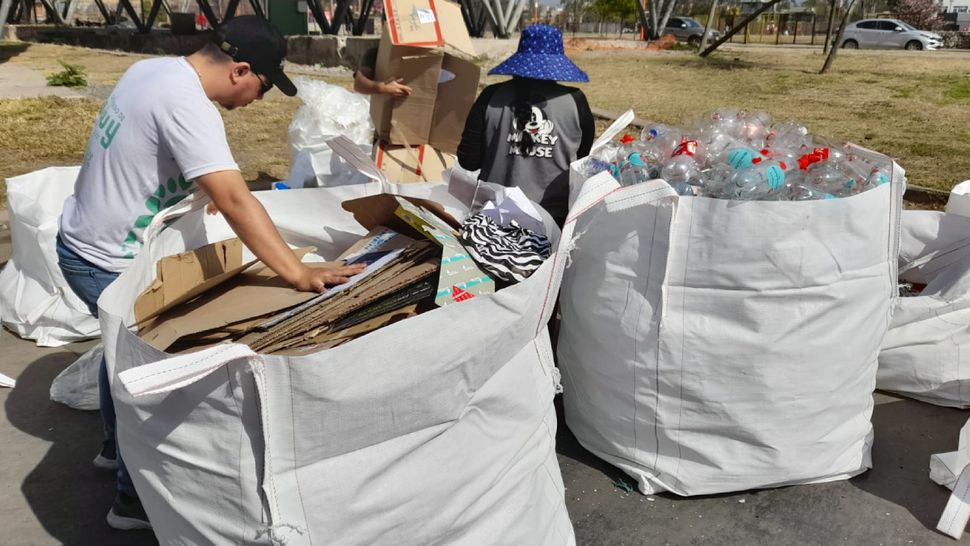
[(952, 470), (710, 345), (35, 301), (926, 353), (438, 429)]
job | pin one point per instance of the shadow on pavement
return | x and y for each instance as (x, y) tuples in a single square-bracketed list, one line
[(907, 432), (11, 50), (69, 496)]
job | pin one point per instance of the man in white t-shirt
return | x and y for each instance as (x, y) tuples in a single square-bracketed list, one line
[(158, 138)]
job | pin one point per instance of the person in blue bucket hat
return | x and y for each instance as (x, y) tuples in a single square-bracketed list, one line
[(526, 131)]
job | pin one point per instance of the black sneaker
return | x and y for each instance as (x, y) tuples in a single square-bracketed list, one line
[(127, 514), (107, 458)]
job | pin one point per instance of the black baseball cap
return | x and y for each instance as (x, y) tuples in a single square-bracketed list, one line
[(252, 39)]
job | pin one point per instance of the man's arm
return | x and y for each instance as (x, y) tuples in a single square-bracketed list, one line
[(248, 218), (394, 87)]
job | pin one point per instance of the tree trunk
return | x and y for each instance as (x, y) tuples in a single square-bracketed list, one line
[(642, 17), (668, 9), (838, 38), (4, 10), (707, 26), (828, 31), (743, 25)]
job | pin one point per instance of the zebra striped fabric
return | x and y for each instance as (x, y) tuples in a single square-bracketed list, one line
[(510, 253)]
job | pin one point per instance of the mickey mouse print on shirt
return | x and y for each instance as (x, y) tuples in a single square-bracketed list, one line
[(532, 134)]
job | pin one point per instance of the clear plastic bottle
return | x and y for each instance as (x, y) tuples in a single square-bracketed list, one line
[(760, 181), (682, 168), (638, 168), (739, 157), (660, 139)]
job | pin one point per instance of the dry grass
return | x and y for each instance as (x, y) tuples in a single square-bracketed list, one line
[(914, 106)]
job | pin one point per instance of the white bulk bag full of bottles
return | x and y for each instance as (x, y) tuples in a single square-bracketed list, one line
[(926, 353), (438, 429), (712, 345), (35, 300)]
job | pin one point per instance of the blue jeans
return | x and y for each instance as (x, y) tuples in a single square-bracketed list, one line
[(88, 281)]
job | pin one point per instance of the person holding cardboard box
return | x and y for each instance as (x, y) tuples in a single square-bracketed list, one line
[(526, 131), (365, 84), (157, 139)]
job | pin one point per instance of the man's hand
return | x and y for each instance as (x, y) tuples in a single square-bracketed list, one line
[(211, 208), (317, 279), (395, 87)]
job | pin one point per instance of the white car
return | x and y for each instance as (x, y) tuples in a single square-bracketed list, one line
[(888, 33)]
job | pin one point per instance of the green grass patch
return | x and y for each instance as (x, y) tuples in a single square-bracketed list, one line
[(903, 92), (958, 90)]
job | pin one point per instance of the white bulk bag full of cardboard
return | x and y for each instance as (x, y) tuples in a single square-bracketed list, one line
[(926, 353), (438, 429), (711, 345), (35, 301)]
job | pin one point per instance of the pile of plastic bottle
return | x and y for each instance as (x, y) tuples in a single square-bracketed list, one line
[(733, 154)]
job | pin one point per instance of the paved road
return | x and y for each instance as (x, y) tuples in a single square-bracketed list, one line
[(21, 82)]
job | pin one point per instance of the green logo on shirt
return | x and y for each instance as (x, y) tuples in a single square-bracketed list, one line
[(166, 195), (109, 121)]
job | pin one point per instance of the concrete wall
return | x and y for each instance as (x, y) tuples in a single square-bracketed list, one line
[(312, 50)]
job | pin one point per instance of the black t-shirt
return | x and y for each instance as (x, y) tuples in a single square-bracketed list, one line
[(525, 133)]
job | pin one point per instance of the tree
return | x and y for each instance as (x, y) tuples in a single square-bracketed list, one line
[(615, 10), (922, 14)]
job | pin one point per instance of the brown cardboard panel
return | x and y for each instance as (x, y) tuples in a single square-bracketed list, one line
[(406, 120), (378, 210), (453, 28), (418, 262), (427, 23), (414, 22), (404, 164), (379, 239), (183, 276), (248, 294), (454, 100), (328, 340)]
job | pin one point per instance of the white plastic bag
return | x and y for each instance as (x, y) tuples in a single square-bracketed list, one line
[(710, 346), (327, 111), (438, 429), (35, 300), (926, 354), (77, 385)]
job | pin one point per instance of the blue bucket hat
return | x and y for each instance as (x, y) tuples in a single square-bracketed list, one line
[(540, 56)]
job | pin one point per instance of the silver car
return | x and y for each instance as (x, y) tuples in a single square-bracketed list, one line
[(687, 29), (888, 34)]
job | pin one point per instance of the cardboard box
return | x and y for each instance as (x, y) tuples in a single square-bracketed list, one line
[(425, 43), (460, 278), (406, 164)]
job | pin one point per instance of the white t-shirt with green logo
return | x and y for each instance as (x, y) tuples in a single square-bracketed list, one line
[(155, 135)]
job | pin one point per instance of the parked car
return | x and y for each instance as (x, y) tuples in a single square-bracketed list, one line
[(888, 33), (686, 29)]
